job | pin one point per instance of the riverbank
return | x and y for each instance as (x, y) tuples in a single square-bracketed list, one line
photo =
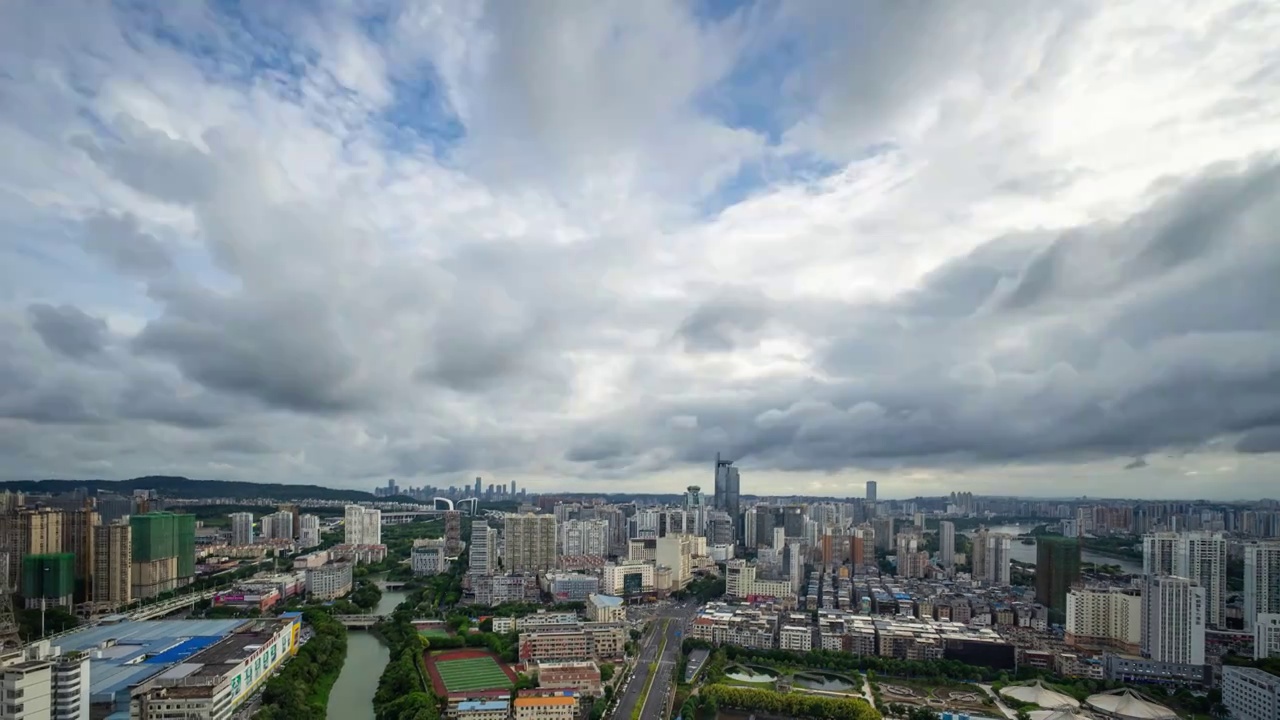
[(351, 697)]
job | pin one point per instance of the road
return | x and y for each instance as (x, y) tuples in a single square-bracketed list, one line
[(669, 623)]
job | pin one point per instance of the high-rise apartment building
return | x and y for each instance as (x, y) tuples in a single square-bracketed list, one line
[(1174, 614), (529, 543), (1202, 556), (49, 580), (1261, 581), (483, 558), (112, 565), (998, 558), (871, 491), (310, 531), (452, 533), (164, 552), (1157, 553), (1105, 616), (362, 526), (585, 537), (278, 526), (1057, 569), (947, 544), (77, 539), (295, 512), (883, 527), (241, 528), (30, 532), (911, 561)]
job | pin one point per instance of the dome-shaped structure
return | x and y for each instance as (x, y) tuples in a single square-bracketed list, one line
[(1066, 712), (1125, 704), (1039, 694)]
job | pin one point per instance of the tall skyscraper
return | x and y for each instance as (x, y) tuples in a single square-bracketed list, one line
[(513, 487), (477, 488), (947, 544), (728, 493), (529, 543), (112, 565), (241, 528), (977, 553), (483, 549), (277, 526), (1057, 569), (1173, 620), (1261, 581), (871, 491)]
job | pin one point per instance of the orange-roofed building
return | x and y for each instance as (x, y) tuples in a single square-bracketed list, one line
[(558, 706)]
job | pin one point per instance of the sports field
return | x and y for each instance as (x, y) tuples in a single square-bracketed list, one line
[(472, 671), (434, 633)]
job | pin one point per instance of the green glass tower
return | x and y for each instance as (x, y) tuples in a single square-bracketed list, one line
[(1057, 569)]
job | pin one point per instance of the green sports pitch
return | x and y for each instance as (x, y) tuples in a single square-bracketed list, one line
[(482, 673)]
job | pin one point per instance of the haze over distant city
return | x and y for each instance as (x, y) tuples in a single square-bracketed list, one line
[(1002, 247)]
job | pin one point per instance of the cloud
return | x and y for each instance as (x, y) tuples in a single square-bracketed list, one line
[(592, 245), (68, 329)]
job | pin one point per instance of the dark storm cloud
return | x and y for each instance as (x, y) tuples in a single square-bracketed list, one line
[(1080, 360), (1136, 464), (284, 352), (1260, 440), (68, 329)]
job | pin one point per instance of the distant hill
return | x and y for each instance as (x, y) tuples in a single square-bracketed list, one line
[(181, 487)]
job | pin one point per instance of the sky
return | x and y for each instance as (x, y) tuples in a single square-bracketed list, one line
[(1002, 247)]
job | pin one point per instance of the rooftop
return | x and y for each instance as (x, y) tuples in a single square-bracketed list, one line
[(605, 600), (136, 651)]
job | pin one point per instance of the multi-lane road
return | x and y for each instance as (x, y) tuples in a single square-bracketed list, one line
[(669, 623)]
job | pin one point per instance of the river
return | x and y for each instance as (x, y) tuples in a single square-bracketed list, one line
[(352, 695), (1027, 553)]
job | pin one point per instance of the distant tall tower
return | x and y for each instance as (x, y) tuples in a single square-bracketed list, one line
[(728, 493), (947, 544), (477, 490), (871, 491), (513, 487)]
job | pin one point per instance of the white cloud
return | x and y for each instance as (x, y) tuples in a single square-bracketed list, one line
[(568, 243)]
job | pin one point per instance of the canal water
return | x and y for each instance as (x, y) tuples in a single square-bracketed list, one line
[(352, 695), (1027, 553)]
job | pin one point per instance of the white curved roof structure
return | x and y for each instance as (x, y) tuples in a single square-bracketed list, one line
[(1062, 713), (1039, 694), (1125, 704)]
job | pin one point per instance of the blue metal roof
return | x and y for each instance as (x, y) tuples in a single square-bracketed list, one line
[(141, 650), (184, 649), (483, 705)]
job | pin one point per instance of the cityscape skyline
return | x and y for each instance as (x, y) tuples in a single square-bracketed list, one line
[(411, 258)]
